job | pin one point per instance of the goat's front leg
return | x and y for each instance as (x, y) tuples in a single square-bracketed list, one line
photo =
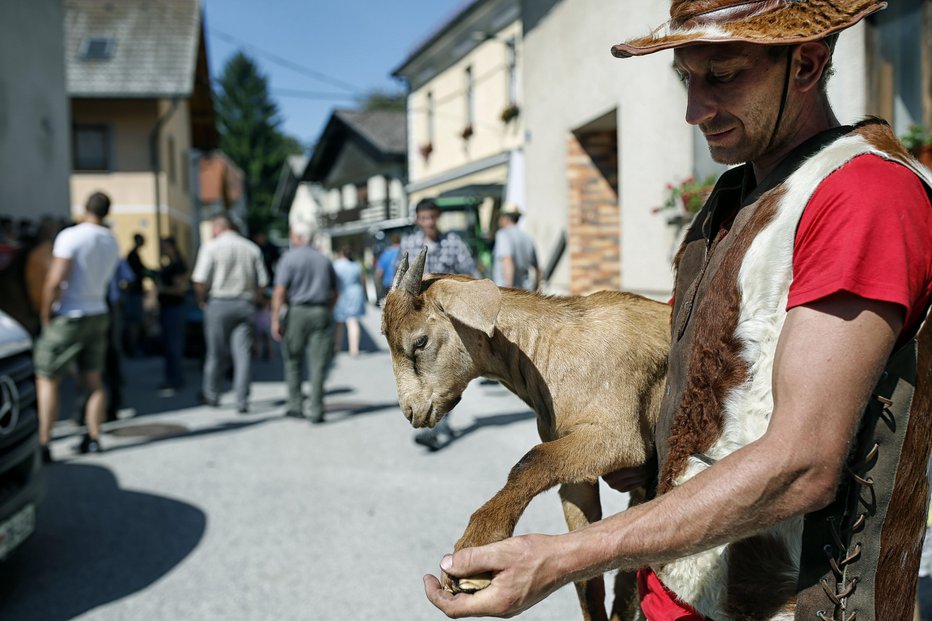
[(582, 506), (574, 458)]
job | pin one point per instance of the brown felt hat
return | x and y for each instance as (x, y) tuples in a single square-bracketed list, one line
[(765, 22)]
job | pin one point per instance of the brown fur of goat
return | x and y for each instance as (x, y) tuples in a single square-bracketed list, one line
[(591, 367)]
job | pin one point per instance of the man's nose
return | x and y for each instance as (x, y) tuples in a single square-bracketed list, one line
[(700, 105)]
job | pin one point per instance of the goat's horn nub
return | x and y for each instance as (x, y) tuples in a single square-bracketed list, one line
[(412, 279), (400, 272)]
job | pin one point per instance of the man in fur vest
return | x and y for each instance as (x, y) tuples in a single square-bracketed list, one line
[(794, 441)]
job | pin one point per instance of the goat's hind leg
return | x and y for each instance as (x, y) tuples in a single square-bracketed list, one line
[(581, 507)]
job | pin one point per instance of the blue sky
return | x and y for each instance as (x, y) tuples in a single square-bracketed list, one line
[(341, 48)]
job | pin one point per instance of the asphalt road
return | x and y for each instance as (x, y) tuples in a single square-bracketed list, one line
[(195, 513)]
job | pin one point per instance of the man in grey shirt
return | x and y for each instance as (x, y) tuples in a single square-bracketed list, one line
[(514, 254), (228, 278), (306, 281)]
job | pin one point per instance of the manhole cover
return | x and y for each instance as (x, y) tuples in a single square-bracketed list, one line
[(148, 430)]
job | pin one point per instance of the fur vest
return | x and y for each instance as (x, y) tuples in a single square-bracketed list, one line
[(860, 554)]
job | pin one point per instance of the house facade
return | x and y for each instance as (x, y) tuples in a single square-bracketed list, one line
[(465, 119), (141, 110), (34, 125), (356, 176)]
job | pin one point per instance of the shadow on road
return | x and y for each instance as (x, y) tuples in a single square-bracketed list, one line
[(109, 543), (496, 420)]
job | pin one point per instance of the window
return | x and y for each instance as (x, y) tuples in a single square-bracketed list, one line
[(362, 195), (91, 147), (512, 71), (895, 65), (186, 172), (470, 98), (170, 155), (97, 48), (430, 118)]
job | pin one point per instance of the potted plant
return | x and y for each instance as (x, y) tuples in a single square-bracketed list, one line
[(467, 132), (510, 112), (919, 142), (425, 150), (686, 198)]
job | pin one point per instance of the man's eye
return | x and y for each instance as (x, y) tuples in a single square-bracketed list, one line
[(420, 342), (722, 78)]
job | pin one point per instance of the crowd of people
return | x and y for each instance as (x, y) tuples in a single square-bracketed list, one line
[(99, 308)]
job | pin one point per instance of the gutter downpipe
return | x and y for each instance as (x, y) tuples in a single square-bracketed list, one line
[(154, 150)]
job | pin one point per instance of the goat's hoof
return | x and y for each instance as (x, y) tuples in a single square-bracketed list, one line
[(472, 584)]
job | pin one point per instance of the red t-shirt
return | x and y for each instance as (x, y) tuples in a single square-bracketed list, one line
[(867, 230)]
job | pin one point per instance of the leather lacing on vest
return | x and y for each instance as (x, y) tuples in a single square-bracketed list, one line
[(847, 550)]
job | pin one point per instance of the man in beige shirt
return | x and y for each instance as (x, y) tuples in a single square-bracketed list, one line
[(228, 277)]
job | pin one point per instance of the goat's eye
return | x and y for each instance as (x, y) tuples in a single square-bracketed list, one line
[(420, 342)]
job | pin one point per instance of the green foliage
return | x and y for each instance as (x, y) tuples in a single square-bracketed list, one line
[(249, 123), (917, 136), (382, 100)]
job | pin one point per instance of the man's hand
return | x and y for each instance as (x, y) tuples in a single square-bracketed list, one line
[(522, 576), (276, 329)]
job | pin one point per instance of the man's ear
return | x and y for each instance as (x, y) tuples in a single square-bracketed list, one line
[(811, 59), (474, 303)]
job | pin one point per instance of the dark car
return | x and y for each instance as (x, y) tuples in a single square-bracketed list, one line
[(21, 483)]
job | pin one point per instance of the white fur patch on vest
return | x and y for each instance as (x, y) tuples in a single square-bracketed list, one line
[(764, 281)]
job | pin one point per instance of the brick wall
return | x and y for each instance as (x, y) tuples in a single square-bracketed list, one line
[(594, 214)]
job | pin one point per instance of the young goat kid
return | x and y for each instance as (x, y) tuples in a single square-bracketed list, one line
[(592, 368)]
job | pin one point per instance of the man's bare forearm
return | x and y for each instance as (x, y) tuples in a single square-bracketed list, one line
[(51, 288), (746, 493), (200, 292), (508, 271)]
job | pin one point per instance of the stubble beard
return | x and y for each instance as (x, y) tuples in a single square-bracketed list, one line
[(754, 143)]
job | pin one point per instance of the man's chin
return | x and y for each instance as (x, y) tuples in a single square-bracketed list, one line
[(727, 156)]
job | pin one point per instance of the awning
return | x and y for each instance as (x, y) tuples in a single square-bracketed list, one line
[(473, 194)]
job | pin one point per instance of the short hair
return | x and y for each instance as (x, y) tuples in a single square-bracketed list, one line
[(224, 220), (303, 230), (395, 238), (98, 204), (426, 204), (138, 239)]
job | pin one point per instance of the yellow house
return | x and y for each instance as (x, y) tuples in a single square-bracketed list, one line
[(465, 122), (141, 111)]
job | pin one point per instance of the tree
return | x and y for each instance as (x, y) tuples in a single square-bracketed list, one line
[(249, 123), (383, 100)]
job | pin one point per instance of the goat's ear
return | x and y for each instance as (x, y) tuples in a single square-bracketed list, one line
[(474, 303)]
